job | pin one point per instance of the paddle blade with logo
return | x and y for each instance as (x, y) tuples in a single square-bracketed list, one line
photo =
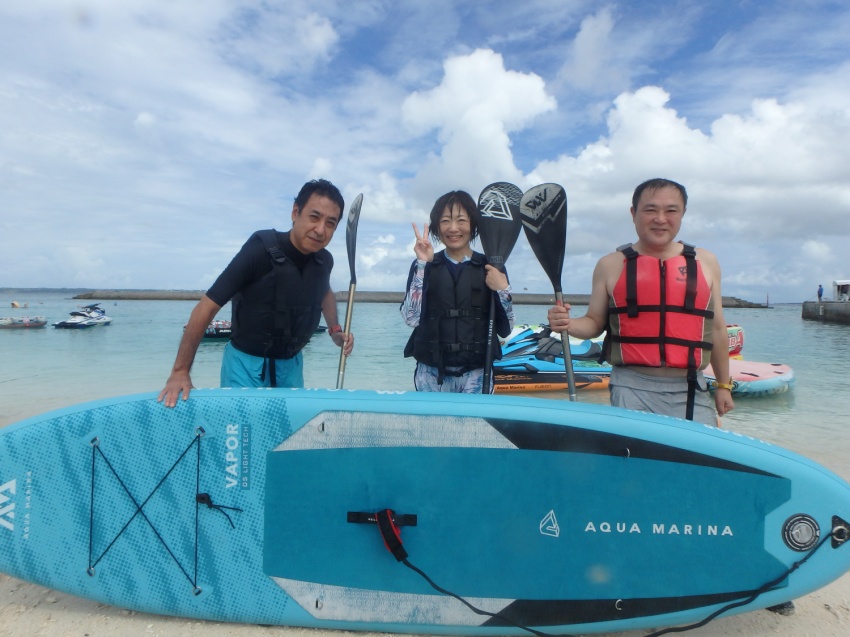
[(351, 245), (544, 218), (499, 221), (498, 226)]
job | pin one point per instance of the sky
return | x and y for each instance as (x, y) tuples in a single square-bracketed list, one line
[(143, 141)]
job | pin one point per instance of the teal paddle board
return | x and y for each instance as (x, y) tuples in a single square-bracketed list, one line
[(278, 507)]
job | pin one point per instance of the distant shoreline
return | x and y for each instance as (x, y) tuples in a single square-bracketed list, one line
[(359, 297)]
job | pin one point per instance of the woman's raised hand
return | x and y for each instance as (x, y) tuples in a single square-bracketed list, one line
[(423, 248)]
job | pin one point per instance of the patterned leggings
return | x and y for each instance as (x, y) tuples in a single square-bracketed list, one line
[(425, 379)]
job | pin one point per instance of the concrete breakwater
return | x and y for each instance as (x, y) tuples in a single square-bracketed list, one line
[(342, 296), (827, 311)]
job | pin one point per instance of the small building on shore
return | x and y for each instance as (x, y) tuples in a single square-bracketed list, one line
[(841, 290)]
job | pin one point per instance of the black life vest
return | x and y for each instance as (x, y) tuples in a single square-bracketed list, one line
[(276, 315), (452, 330)]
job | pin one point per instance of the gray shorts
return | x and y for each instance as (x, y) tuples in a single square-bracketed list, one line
[(660, 395)]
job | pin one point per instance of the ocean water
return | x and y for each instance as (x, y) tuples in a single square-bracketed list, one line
[(45, 369)]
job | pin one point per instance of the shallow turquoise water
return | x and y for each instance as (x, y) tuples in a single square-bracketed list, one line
[(47, 368)]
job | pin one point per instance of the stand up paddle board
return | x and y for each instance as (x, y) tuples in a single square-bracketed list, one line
[(277, 507), (534, 375)]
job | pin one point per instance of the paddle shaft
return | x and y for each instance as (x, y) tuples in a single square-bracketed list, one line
[(350, 245), (346, 329), (568, 359), (488, 355)]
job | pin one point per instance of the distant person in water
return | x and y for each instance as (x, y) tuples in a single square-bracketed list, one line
[(279, 284), (820, 293), (448, 301)]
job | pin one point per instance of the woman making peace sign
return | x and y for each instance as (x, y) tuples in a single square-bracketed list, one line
[(448, 301)]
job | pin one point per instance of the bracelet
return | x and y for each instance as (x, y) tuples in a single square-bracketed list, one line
[(728, 386), (333, 330)]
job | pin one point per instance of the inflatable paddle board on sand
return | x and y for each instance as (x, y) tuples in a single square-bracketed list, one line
[(259, 506)]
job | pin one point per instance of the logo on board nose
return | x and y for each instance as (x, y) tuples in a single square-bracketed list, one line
[(7, 508)]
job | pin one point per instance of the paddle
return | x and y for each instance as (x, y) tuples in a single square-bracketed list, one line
[(498, 226), (544, 218), (351, 244)]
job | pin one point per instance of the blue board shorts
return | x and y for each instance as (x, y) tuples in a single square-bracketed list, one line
[(239, 369)]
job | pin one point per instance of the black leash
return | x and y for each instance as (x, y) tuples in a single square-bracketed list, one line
[(388, 523)]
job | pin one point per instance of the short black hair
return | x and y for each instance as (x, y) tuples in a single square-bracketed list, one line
[(657, 184), (323, 188), (465, 201)]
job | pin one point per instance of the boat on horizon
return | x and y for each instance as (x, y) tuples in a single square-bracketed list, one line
[(22, 322)]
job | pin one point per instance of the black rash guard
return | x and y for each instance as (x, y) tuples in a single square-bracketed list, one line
[(251, 263)]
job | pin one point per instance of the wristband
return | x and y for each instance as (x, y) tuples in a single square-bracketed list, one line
[(728, 386), (333, 330)]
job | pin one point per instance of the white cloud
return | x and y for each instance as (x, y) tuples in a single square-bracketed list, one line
[(816, 251), (609, 51), (770, 176), (274, 40), (589, 62), (155, 127), (475, 107), (321, 166)]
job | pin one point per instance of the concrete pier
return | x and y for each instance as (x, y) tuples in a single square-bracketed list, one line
[(359, 297), (827, 311)]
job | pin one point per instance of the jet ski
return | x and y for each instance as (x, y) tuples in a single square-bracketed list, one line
[(87, 316), (533, 360)]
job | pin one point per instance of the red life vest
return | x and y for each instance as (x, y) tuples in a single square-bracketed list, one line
[(659, 313)]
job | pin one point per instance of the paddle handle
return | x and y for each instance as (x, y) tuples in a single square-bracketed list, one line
[(346, 329), (568, 359)]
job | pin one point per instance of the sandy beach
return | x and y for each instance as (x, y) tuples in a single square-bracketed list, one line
[(28, 609)]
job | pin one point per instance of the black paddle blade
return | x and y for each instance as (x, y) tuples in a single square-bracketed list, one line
[(499, 221), (544, 218), (351, 233)]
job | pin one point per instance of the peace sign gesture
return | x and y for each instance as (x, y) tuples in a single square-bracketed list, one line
[(423, 248)]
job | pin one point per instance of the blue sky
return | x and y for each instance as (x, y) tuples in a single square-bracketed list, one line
[(142, 141)]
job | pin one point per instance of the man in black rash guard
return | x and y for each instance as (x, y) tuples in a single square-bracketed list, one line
[(279, 285)]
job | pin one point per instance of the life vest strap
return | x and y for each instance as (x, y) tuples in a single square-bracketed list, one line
[(653, 340), (631, 279), (679, 309), (690, 254)]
